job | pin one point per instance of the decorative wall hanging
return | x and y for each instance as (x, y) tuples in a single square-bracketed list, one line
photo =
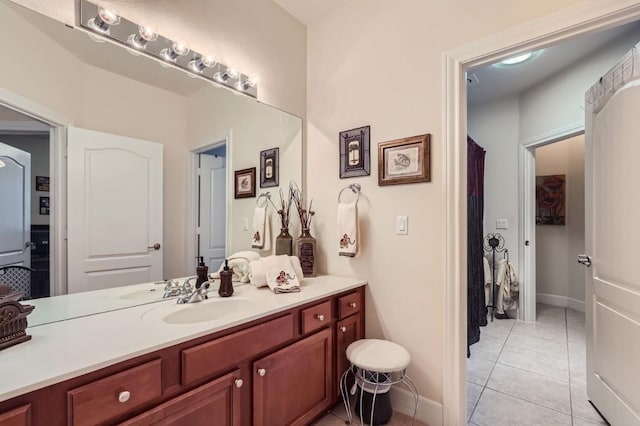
[(404, 160), (44, 206), (550, 200), (42, 183), (245, 183), (269, 167), (355, 156)]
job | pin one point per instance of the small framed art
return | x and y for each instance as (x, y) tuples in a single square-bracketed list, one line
[(355, 155), (245, 183), (269, 167), (404, 160), (44, 206), (42, 183)]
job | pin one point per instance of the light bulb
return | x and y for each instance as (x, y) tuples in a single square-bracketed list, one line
[(177, 49), (233, 73), (229, 74), (200, 63), (103, 21), (144, 35)]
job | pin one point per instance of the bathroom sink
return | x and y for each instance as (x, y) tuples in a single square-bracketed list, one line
[(211, 310)]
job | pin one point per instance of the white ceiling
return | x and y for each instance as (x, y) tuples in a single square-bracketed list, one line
[(308, 11), (494, 83)]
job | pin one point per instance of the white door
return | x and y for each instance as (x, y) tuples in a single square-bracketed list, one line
[(612, 234), (213, 206), (114, 210), (15, 210)]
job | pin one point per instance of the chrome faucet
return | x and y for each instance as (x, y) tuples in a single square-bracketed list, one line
[(171, 289), (188, 294)]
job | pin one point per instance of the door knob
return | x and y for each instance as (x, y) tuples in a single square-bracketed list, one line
[(584, 259), (156, 246), (29, 245)]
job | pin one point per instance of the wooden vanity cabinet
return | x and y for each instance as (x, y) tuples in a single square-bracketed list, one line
[(349, 328), (20, 416)]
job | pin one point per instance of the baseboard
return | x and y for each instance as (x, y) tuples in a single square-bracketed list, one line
[(429, 412), (562, 301)]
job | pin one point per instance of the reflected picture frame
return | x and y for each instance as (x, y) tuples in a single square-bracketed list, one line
[(355, 152), (404, 160), (244, 183), (269, 167)]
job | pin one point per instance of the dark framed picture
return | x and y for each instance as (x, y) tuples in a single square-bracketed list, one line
[(269, 167), (42, 183), (550, 200), (44, 206), (355, 152), (245, 183), (404, 160)]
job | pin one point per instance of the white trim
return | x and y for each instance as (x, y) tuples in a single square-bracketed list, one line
[(192, 196), (582, 18), (554, 135), (23, 127), (429, 412), (561, 301)]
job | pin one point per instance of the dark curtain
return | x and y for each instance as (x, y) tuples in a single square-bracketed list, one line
[(476, 307)]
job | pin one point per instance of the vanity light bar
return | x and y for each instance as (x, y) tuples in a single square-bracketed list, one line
[(146, 40)]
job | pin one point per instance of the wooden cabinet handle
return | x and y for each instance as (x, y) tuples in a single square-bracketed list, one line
[(353, 304), (343, 329), (320, 317), (239, 383), (262, 372), (124, 396)]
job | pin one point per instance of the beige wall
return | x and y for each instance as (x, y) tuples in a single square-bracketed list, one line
[(380, 63)]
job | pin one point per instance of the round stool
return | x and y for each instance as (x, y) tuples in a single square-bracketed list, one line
[(376, 365)]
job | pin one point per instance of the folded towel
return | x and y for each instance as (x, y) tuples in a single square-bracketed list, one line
[(348, 229), (239, 264), (281, 276), (261, 229), (258, 275)]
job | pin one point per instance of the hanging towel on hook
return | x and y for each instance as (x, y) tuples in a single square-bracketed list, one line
[(348, 229), (261, 230)]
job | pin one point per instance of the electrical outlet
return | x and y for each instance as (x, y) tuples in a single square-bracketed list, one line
[(245, 223), (502, 224)]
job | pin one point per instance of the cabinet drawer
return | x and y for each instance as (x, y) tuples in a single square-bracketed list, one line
[(115, 395), (20, 416), (209, 358), (316, 317), (349, 304)]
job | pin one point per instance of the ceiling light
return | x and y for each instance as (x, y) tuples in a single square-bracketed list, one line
[(2, 164), (228, 74), (246, 84), (103, 20), (200, 63), (144, 35), (172, 53), (517, 60)]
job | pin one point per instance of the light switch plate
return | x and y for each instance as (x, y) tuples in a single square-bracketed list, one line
[(245, 223), (402, 225), (502, 224)]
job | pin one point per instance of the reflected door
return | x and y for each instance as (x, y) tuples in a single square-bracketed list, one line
[(114, 217), (213, 206), (15, 199)]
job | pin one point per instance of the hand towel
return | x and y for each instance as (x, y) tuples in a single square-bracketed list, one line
[(261, 229), (348, 229), (281, 276), (258, 275), (239, 264)]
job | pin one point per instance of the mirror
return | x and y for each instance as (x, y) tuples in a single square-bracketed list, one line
[(103, 87)]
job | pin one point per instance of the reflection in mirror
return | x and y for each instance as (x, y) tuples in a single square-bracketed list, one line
[(63, 78)]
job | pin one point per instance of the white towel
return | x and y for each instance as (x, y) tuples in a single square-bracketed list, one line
[(281, 276), (261, 229), (348, 229), (259, 276), (239, 264)]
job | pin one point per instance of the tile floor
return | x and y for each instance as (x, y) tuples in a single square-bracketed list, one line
[(530, 374)]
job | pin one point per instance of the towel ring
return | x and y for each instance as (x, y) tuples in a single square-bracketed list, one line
[(266, 195), (354, 187)]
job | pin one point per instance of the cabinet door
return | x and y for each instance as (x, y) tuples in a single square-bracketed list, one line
[(348, 331), (293, 385), (215, 404), (20, 416)]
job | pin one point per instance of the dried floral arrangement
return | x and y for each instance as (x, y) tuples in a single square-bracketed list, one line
[(285, 208), (305, 214)]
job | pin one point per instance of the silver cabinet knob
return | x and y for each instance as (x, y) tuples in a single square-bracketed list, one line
[(343, 329), (156, 246), (262, 372), (353, 304), (124, 396), (320, 317), (239, 383)]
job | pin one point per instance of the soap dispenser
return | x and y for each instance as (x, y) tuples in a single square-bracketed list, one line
[(202, 271), (226, 284)]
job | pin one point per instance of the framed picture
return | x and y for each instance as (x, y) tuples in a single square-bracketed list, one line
[(245, 183), (269, 167), (355, 156), (44, 206), (550, 200), (42, 183), (404, 160)]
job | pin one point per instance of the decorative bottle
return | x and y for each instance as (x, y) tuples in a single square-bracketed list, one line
[(284, 242), (306, 251)]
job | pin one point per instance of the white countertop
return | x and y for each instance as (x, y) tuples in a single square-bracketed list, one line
[(66, 349)]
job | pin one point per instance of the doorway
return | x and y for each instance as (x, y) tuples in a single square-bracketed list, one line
[(564, 25)]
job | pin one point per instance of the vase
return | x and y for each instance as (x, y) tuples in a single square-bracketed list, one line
[(284, 242), (306, 251)]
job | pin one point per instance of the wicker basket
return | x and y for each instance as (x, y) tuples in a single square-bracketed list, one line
[(13, 322)]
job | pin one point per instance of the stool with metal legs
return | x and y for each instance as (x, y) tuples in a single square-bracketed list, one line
[(376, 365)]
